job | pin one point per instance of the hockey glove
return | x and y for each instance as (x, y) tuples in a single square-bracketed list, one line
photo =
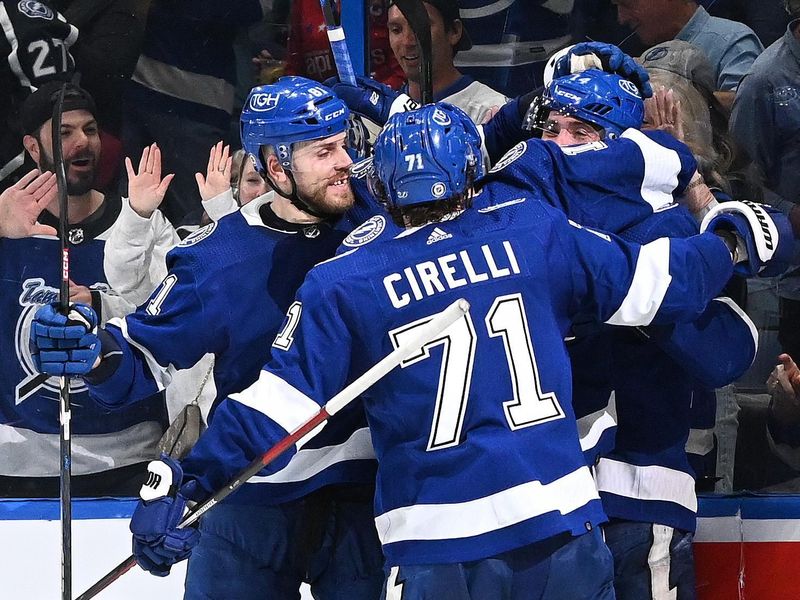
[(371, 99), (64, 344), (763, 237), (158, 543), (587, 55)]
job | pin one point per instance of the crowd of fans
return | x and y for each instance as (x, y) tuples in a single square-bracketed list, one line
[(152, 143)]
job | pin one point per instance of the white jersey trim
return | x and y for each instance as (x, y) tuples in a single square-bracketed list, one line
[(162, 375), (661, 168), (272, 396), (483, 515), (650, 282), (309, 462), (650, 482), (591, 427), (743, 316)]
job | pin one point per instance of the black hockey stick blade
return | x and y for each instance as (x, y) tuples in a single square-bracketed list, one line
[(417, 16)]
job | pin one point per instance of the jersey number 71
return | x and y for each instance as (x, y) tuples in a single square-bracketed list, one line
[(505, 319)]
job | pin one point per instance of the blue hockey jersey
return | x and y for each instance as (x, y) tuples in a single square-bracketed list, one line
[(228, 289), (475, 436), (29, 406), (647, 476)]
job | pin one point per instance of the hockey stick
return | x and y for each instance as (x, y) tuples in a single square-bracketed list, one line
[(341, 55), (426, 333), (417, 16), (65, 444)]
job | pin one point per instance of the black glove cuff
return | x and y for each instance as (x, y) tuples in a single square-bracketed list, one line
[(110, 359)]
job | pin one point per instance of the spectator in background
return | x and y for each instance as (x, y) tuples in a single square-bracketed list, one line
[(181, 94), (22, 203), (510, 45), (765, 122), (448, 37), (35, 49), (767, 17), (110, 448), (731, 47), (309, 52), (246, 183), (106, 51)]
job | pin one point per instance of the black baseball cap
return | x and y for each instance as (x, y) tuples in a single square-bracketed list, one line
[(449, 9), (38, 107)]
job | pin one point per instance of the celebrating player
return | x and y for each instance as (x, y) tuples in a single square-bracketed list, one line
[(651, 375), (476, 462), (227, 290)]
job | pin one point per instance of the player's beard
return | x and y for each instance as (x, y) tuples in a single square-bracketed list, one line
[(326, 199), (78, 182)]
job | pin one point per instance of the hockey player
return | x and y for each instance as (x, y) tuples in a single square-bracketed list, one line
[(34, 50), (110, 448), (645, 481), (498, 473), (227, 290)]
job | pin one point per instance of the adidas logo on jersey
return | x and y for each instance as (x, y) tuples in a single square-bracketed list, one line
[(437, 235)]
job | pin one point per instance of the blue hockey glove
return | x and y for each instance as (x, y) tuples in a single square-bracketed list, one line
[(64, 344), (372, 99), (764, 239), (612, 60), (157, 541)]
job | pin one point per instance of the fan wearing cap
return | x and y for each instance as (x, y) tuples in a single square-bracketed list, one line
[(448, 37), (110, 448)]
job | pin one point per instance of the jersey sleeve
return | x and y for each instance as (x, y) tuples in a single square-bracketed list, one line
[(309, 365), (639, 172), (619, 283), (717, 348), (173, 330)]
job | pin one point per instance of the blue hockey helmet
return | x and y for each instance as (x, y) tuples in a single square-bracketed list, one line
[(429, 154), (293, 109), (603, 99)]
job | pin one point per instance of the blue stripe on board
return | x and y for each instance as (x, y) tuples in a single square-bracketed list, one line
[(82, 508)]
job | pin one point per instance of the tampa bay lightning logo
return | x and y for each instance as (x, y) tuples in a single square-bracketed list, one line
[(438, 189), (33, 294), (440, 118), (629, 87), (509, 157), (360, 169), (263, 102), (366, 232), (35, 10), (199, 235)]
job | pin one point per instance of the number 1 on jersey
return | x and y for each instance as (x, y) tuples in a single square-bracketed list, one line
[(506, 319)]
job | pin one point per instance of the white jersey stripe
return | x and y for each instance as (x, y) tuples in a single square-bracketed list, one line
[(591, 427), (651, 280), (308, 462), (490, 513), (661, 168), (650, 482), (272, 396)]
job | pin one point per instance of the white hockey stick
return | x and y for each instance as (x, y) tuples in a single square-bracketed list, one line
[(426, 333)]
